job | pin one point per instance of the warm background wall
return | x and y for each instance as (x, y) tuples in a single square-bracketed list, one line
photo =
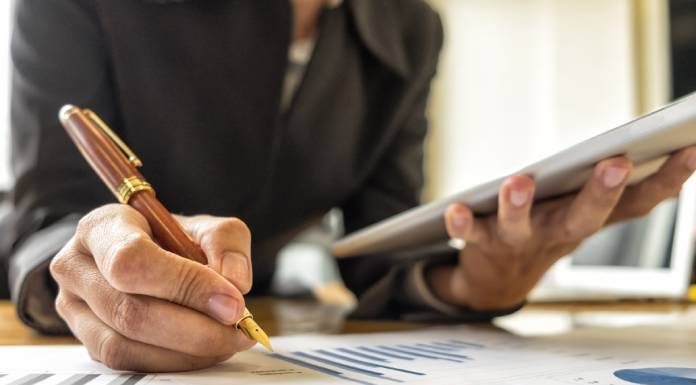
[(520, 79)]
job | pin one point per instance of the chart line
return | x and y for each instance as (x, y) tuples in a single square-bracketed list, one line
[(126, 379), (449, 345), (30, 379), (439, 347), (365, 363), (318, 368), (78, 379), (418, 354), (386, 354), (362, 355), (451, 355), (346, 367), (471, 344)]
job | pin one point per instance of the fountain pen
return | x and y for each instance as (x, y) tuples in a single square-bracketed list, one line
[(117, 166)]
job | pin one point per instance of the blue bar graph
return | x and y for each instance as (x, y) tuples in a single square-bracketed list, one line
[(365, 363), (355, 369), (361, 355), (467, 344), (387, 354), (378, 365), (317, 368), (435, 352), (438, 347), (407, 351)]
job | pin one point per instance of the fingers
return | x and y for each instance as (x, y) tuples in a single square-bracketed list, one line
[(514, 206), (118, 352), (638, 200), (513, 223), (227, 244), (145, 319), (460, 224), (591, 208), (131, 262)]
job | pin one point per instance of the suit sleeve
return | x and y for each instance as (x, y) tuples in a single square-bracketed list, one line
[(393, 286), (58, 58)]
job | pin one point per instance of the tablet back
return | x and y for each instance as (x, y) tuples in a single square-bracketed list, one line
[(647, 141)]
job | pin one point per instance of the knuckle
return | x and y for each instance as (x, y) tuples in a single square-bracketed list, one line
[(88, 221), (570, 232), (96, 216), (190, 283), (579, 231), (65, 264), (129, 314), (112, 351), (585, 232), (59, 264), (61, 304), (122, 263), (234, 226)]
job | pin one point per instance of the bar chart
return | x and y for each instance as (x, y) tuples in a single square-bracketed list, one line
[(380, 363), (436, 356), (366, 364)]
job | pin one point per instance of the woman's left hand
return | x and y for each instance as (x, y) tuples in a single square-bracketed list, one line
[(507, 253)]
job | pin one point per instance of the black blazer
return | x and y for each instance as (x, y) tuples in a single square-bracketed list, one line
[(194, 88)]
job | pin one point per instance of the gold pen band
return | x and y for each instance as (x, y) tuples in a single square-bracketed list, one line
[(130, 186), (245, 315)]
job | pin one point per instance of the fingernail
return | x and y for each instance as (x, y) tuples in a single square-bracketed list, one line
[(691, 162), (460, 222), (614, 176), (235, 266), (519, 198), (225, 308)]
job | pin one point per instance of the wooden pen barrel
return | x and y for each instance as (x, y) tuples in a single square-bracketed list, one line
[(116, 170), (165, 228)]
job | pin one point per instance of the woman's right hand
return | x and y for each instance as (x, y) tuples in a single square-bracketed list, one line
[(136, 306)]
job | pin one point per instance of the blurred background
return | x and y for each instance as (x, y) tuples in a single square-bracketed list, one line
[(5, 26), (522, 79), (519, 80)]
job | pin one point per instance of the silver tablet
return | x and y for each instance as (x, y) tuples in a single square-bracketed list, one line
[(647, 141)]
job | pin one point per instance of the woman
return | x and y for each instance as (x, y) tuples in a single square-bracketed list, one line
[(227, 125)]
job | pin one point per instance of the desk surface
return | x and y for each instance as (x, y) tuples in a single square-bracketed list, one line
[(648, 320)]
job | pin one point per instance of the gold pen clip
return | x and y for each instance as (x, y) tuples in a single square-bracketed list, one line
[(132, 158)]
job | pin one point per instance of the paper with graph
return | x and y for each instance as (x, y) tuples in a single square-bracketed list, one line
[(455, 355)]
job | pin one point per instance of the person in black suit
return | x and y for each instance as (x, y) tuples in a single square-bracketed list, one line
[(265, 114)]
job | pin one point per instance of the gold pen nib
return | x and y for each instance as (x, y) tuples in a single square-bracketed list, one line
[(252, 330)]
